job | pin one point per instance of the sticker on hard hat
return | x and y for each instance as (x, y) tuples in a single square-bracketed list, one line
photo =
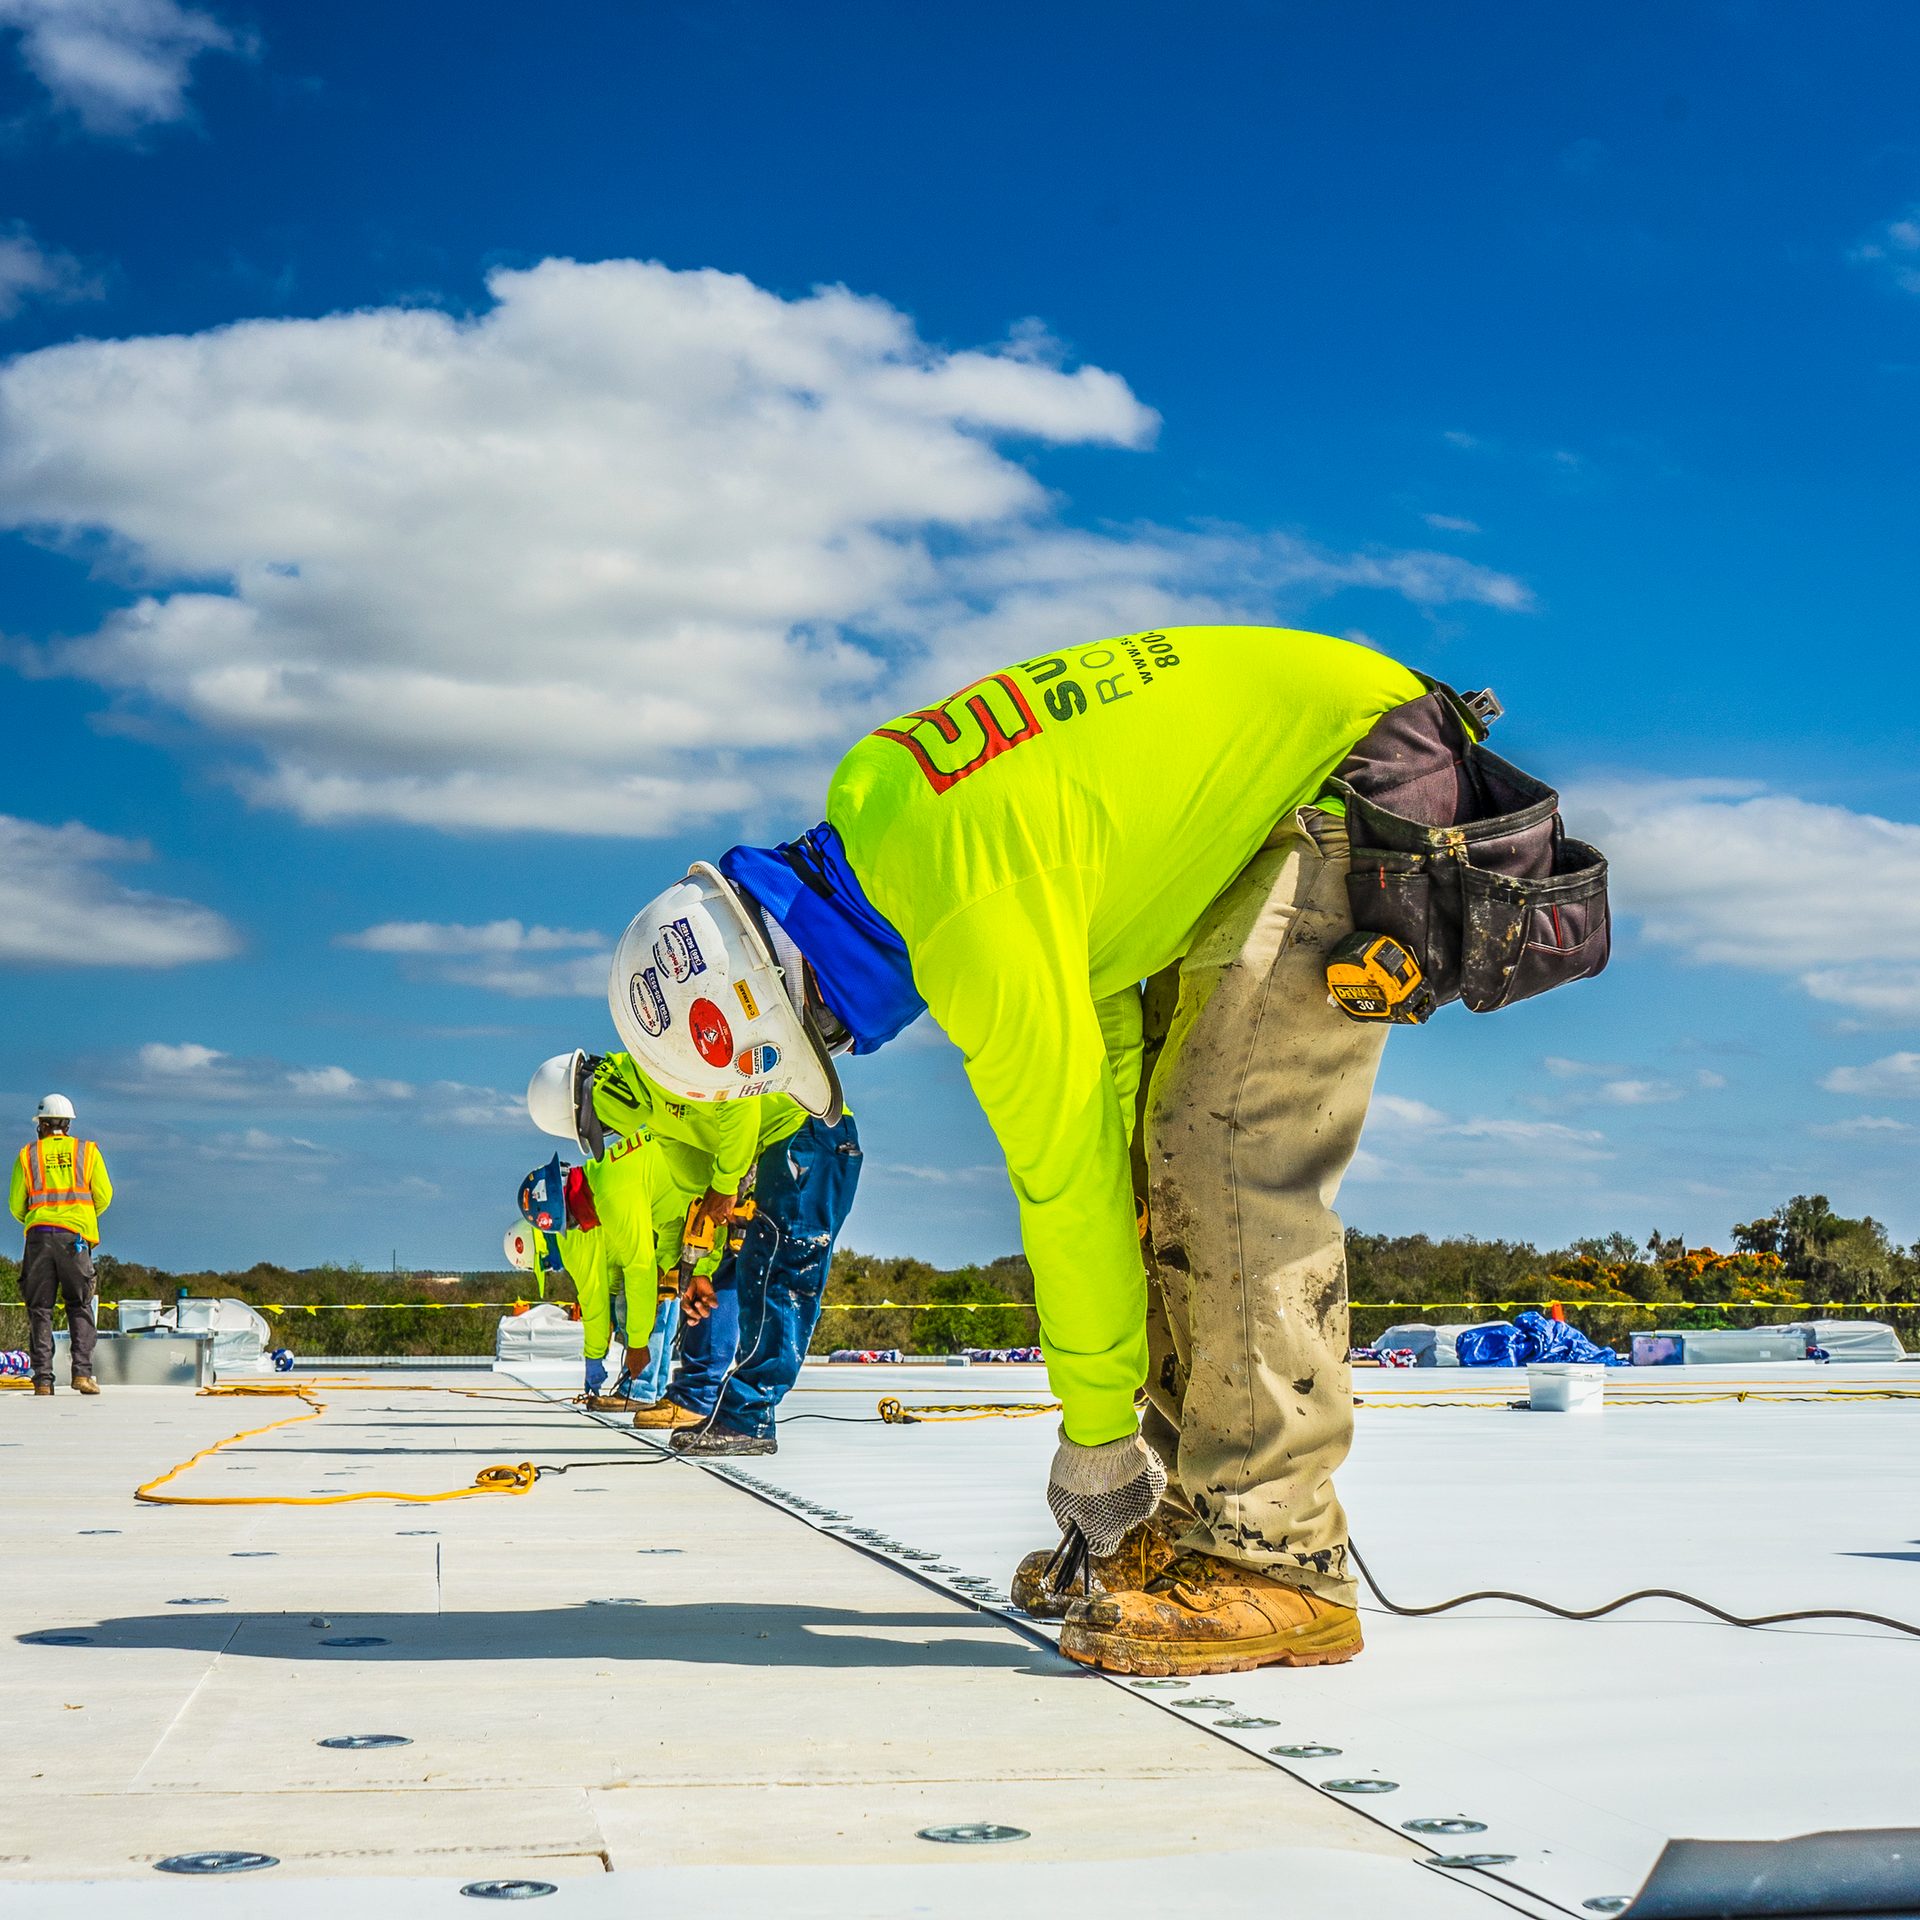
[(712, 1037), (677, 953), (648, 1002), (748, 1004), (754, 1060)]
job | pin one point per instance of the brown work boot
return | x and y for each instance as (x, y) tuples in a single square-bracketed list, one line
[(42, 1386), (1206, 1615), (667, 1413), (85, 1383), (1146, 1552)]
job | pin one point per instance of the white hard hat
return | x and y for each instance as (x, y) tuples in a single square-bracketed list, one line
[(705, 1009), (520, 1246), (54, 1106), (560, 1099)]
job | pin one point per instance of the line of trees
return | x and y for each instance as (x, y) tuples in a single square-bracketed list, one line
[(1612, 1286)]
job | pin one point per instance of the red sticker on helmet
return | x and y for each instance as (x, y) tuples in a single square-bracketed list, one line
[(712, 1037)]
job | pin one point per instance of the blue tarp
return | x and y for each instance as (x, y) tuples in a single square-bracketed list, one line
[(1532, 1337)]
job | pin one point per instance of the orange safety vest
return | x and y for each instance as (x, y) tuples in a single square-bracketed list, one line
[(44, 1190)]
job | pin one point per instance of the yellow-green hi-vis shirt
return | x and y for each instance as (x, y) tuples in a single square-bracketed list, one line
[(1044, 841), (620, 1250), (713, 1142)]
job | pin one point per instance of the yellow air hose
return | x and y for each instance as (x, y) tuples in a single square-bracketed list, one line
[(519, 1478)]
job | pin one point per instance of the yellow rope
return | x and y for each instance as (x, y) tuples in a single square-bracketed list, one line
[(496, 1479), (895, 1415)]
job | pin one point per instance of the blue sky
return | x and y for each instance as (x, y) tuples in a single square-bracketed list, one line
[(456, 464)]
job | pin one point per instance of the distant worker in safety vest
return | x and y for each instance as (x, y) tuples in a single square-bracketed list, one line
[(59, 1191), (1121, 877)]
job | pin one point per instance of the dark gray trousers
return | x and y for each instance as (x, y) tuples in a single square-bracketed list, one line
[(58, 1266)]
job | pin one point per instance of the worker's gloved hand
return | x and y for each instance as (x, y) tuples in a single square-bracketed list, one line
[(1106, 1490), (596, 1375)]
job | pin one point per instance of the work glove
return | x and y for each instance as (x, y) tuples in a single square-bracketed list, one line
[(596, 1375), (1104, 1491)]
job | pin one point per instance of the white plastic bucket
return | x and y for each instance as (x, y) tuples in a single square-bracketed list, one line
[(1560, 1387)]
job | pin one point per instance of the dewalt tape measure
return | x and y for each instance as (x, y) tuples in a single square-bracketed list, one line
[(1371, 976)]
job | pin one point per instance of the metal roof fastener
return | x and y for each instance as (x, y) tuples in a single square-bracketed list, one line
[(978, 1833), (215, 1862), (359, 1742), (1360, 1786), (508, 1889), (1309, 1752), (1443, 1826), (1473, 1860)]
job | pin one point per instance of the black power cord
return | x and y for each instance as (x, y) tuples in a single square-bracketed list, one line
[(1626, 1600)]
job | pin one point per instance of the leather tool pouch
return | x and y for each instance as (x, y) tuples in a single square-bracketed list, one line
[(1463, 859)]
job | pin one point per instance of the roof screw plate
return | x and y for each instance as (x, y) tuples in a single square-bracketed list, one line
[(200, 1600), (508, 1889), (1443, 1826), (618, 1600), (1360, 1786), (1608, 1903), (1204, 1702), (1155, 1686), (1473, 1860), (214, 1862), (1246, 1720), (358, 1742), (1306, 1753), (978, 1833)]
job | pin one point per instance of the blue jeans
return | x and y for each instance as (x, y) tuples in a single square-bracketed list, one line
[(706, 1348), (651, 1381), (804, 1188)]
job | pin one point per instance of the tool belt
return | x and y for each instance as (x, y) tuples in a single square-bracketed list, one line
[(1463, 859)]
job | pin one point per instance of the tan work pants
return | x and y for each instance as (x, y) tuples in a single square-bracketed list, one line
[(1254, 1092)]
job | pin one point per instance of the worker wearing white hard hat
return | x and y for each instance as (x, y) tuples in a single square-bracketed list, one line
[(59, 1190), (717, 1149), (1017, 860)]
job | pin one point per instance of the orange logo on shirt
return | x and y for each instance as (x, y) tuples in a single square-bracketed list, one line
[(961, 735)]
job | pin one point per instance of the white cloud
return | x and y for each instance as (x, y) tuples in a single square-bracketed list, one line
[(1898, 1074), (1449, 523), (29, 271), (1393, 1114), (626, 550), (118, 65), (451, 937), (1600, 1084), (257, 1146), (1881, 993), (1865, 1126), (492, 956), (1731, 875), (191, 1071), (58, 908), (1894, 248)]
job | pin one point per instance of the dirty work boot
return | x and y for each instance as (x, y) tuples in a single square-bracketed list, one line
[(667, 1413), (1205, 1615), (704, 1442), (1146, 1552), (85, 1383), (42, 1386)]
